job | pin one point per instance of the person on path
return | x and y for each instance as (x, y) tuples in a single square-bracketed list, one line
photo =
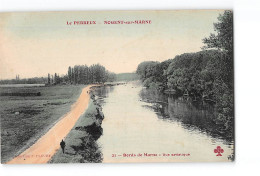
[(62, 145)]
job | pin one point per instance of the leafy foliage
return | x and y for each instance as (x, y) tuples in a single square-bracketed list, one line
[(82, 74), (205, 75), (152, 73)]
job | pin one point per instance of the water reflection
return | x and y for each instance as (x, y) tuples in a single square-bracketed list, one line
[(141, 121), (102, 92), (197, 115)]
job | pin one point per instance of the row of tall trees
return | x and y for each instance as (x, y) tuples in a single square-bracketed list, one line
[(207, 74), (55, 79), (82, 74)]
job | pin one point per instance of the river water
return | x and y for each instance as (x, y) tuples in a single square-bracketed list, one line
[(144, 126)]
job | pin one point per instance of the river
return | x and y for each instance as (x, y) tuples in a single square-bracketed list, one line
[(143, 126)]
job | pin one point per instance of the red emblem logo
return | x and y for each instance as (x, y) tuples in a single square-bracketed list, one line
[(218, 150)]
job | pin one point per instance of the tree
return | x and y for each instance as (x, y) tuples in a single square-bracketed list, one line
[(52, 80), (223, 85), (49, 78), (70, 74), (223, 41), (145, 69), (55, 78)]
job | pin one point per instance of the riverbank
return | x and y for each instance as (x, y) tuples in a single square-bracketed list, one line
[(48, 144), (25, 119), (81, 146)]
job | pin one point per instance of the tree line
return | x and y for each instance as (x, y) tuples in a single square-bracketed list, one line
[(79, 74), (205, 75), (83, 74), (34, 80)]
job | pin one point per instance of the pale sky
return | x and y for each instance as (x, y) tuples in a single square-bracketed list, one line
[(35, 44)]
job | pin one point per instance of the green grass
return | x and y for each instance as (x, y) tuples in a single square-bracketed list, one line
[(80, 146), (37, 114)]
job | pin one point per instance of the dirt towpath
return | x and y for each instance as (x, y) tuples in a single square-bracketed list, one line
[(42, 151)]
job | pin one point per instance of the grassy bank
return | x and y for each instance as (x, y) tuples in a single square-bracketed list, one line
[(81, 145), (24, 119)]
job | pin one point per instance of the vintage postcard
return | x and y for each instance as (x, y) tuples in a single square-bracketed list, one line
[(117, 86)]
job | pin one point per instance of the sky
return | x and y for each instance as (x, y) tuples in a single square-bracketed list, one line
[(33, 44)]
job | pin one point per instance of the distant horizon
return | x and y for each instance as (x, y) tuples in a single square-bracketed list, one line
[(50, 74)]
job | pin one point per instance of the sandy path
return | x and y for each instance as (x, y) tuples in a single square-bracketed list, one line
[(48, 144)]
